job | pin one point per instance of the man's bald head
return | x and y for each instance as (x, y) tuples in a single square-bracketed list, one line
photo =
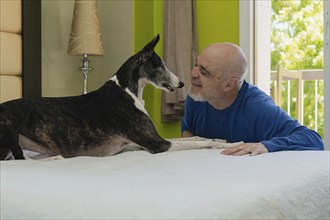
[(228, 60)]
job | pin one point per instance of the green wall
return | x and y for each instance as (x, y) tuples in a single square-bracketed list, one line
[(217, 21)]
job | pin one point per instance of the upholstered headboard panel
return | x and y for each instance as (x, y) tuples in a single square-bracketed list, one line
[(10, 50)]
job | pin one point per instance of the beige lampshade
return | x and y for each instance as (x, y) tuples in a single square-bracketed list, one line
[(85, 35)]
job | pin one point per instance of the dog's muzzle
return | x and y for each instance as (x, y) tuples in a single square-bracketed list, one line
[(170, 88)]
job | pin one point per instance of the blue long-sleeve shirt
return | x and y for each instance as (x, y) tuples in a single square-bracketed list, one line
[(253, 117)]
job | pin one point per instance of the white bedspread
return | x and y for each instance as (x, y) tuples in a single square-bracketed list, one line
[(193, 184)]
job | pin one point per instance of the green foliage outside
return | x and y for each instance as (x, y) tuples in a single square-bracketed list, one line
[(297, 44)]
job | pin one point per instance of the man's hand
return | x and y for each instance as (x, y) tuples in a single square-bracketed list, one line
[(246, 148), (187, 134)]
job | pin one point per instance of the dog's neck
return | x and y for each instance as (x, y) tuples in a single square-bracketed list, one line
[(133, 90), (128, 76), (137, 96)]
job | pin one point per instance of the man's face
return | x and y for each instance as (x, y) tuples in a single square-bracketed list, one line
[(206, 81)]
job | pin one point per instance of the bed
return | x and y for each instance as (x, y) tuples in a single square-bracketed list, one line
[(191, 184)]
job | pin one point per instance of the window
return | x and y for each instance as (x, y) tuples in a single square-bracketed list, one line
[(255, 32)]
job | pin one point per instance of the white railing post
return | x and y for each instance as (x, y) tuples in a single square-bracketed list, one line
[(314, 75), (289, 98), (302, 102), (315, 105)]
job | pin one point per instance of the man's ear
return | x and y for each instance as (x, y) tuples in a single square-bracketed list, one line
[(231, 84), (148, 49)]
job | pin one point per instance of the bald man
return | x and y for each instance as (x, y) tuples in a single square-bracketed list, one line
[(222, 105)]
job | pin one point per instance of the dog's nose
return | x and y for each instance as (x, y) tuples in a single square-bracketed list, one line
[(181, 84)]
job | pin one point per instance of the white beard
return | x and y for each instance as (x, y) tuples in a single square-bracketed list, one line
[(196, 97)]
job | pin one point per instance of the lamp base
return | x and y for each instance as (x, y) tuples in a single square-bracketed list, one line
[(85, 69)]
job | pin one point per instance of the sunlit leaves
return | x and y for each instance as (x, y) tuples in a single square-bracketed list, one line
[(297, 44)]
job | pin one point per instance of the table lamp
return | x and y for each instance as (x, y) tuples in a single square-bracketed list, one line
[(85, 36)]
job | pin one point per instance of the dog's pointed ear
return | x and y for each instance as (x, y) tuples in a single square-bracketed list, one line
[(148, 49)]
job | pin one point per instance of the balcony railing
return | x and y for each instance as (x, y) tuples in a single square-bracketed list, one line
[(312, 114)]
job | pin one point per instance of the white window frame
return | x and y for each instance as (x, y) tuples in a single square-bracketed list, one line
[(254, 34), (326, 5), (255, 40)]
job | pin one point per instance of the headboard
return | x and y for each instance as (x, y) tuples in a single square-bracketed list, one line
[(20, 49), (11, 50)]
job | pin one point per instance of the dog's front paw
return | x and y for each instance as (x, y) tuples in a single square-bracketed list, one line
[(174, 148)]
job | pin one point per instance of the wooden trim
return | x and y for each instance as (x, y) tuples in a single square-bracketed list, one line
[(31, 32)]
